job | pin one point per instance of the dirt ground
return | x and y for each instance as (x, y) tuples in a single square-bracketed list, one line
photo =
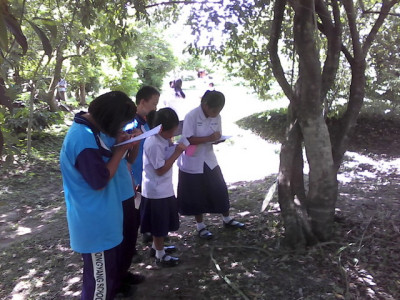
[(361, 261)]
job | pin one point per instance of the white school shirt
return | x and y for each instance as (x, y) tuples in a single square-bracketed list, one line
[(196, 124), (156, 150)]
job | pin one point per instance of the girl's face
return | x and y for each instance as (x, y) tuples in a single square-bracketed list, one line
[(211, 112), (168, 134)]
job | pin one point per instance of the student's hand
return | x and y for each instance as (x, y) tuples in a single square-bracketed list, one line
[(136, 132), (180, 147), (122, 137), (215, 136)]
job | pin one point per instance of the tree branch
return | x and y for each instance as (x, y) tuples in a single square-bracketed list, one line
[(276, 29), (182, 2), (386, 7)]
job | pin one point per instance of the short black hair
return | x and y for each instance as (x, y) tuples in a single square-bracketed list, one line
[(213, 99), (111, 110), (166, 116), (145, 93)]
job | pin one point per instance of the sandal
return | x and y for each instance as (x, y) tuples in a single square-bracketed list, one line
[(205, 234), (167, 261), (234, 224)]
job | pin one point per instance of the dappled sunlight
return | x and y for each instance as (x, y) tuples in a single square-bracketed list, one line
[(360, 165), (25, 230)]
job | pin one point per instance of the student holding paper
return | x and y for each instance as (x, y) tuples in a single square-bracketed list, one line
[(201, 186), (159, 210), (92, 192), (146, 100)]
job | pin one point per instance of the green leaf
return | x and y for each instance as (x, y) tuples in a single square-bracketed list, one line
[(50, 24), (14, 27), (45, 41)]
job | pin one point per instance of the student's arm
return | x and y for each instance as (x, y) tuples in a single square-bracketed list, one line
[(189, 131), (170, 161), (119, 153), (133, 152), (196, 140)]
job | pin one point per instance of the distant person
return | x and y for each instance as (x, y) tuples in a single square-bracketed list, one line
[(201, 186), (159, 207), (146, 100), (91, 190), (175, 99), (61, 89), (178, 89)]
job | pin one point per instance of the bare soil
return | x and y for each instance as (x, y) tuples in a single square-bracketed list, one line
[(361, 262)]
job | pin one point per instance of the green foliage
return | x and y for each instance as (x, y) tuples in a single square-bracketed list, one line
[(243, 47), (270, 125), (154, 57), (125, 80), (384, 76)]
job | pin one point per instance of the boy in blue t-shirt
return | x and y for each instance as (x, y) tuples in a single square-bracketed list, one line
[(146, 101), (94, 210)]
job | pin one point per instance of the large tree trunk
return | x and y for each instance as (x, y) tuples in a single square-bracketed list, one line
[(322, 193)]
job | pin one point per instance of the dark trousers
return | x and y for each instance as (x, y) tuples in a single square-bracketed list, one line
[(101, 274), (130, 232)]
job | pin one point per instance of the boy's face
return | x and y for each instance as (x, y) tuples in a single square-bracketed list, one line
[(149, 105)]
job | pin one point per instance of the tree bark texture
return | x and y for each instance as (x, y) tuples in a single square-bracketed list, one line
[(50, 94), (82, 94)]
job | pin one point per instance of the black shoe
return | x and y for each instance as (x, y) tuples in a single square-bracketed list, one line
[(167, 249), (133, 279), (125, 291), (234, 224), (147, 237), (171, 262)]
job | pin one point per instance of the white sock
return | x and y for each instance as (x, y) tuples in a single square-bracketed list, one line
[(226, 219), (200, 226), (160, 253)]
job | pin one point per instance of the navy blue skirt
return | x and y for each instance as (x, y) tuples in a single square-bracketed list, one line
[(159, 216), (202, 193)]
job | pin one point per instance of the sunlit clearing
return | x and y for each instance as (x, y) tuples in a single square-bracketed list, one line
[(23, 230)]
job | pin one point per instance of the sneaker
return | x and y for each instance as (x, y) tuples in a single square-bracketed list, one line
[(133, 279), (167, 249), (167, 261)]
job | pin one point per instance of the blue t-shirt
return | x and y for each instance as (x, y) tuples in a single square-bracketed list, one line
[(137, 165), (94, 210), (122, 176)]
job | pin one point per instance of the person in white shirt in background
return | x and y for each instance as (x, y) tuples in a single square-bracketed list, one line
[(61, 89)]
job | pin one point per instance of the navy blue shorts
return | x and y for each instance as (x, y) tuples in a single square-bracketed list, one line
[(202, 193), (159, 216)]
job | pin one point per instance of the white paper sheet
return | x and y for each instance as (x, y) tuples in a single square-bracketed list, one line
[(144, 135)]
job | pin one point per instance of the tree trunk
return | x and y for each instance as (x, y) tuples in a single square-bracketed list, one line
[(50, 94), (82, 94), (322, 192), (1, 145), (291, 194)]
